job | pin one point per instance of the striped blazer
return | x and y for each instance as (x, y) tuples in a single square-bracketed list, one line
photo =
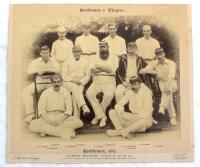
[(122, 68)]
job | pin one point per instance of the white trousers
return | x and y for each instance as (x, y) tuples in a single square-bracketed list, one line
[(108, 91), (122, 120), (167, 99), (27, 96), (40, 126), (77, 96)]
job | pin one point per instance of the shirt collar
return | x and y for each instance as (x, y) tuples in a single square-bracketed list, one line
[(116, 36), (43, 61), (60, 91), (132, 57), (150, 38), (86, 36), (166, 61)]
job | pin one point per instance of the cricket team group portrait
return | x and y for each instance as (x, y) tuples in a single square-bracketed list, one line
[(116, 76)]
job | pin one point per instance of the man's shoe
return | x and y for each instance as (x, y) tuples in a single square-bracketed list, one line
[(155, 122), (73, 134), (103, 122), (67, 134), (29, 118), (43, 134), (113, 133), (94, 121), (86, 110), (173, 121), (162, 110)]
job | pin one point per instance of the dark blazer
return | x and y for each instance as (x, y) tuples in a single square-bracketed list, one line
[(122, 68)]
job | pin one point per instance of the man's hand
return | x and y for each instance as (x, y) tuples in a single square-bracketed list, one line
[(60, 120), (55, 121), (126, 84), (76, 81), (104, 68), (167, 92), (126, 134), (95, 71), (28, 119), (148, 72)]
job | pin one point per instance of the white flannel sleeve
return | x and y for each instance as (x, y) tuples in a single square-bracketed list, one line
[(172, 70), (157, 44), (87, 76), (147, 106), (70, 47), (53, 50), (172, 83), (114, 64), (77, 41), (96, 46), (42, 104), (68, 103), (65, 72), (123, 47), (149, 68), (120, 105), (33, 68), (55, 66)]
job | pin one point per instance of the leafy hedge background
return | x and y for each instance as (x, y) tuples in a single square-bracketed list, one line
[(129, 27)]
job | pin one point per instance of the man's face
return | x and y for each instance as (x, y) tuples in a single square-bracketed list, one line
[(86, 31), (45, 55), (132, 50), (112, 30), (147, 33), (104, 51), (62, 34), (77, 53), (135, 86), (56, 82), (161, 57)]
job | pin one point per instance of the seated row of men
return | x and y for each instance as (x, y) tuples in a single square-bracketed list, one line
[(55, 110), (76, 73)]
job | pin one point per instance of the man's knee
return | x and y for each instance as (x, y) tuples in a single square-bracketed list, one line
[(35, 125), (119, 92), (112, 113), (76, 122), (109, 95), (148, 123), (90, 93), (120, 88)]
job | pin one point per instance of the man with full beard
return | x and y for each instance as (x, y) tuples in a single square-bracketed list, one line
[(103, 75)]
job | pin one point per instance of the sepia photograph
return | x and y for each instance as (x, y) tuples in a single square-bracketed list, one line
[(104, 83)]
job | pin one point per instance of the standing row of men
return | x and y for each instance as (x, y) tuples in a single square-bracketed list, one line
[(102, 62)]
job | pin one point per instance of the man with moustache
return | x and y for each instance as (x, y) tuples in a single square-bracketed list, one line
[(88, 43), (129, 65), (41, 68), (139, 100), (103, 76), (55, 110), (165, 72)]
